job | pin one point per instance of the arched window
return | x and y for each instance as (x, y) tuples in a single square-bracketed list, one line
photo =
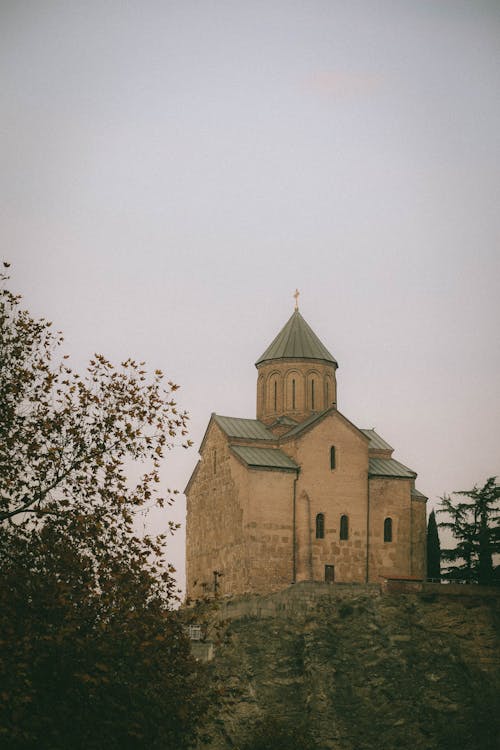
[(215, 461), (320, 526), (293, 393), (312, 394), (275, 395), (332, 457), (388, 530), (327, 394), (344, 527)]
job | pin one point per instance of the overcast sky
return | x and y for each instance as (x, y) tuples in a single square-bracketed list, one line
[(171, 172)]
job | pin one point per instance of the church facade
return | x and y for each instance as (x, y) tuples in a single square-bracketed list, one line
[(300, 493)]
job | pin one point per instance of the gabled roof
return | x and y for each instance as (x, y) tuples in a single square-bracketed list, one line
[(264, 458), (296, 340), (236, 427), (239, 428), (376, 442), (315, 418), (389, 467)]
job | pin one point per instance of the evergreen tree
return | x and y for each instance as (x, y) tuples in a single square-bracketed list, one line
[(433, 549), (475, 524)]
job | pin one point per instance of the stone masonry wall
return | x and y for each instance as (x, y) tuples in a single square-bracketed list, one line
[(342, 491), (215, 520), (240, 520), (269, 530), (390, 498)]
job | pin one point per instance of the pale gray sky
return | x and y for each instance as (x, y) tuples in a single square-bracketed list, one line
[(171, 171)]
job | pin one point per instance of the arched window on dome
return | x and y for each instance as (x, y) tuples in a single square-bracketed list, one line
[(275, 395), (320, 526), (344, 527), (262, 391), (293, 394), (312, 394), (388, 530)]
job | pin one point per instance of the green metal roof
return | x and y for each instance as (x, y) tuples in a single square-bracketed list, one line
[(388, 467), (303, 425), (417, 494), (267, 458), (296, 340), (237, 427), (285, 421), (376, 441)]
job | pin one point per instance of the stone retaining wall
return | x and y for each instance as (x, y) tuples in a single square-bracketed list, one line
[(295, 600)]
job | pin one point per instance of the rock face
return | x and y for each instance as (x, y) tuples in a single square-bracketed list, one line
[(349, 668)]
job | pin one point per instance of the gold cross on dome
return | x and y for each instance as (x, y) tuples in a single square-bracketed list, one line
[(296, 295)]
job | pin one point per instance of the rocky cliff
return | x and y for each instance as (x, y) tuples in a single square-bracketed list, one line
[(351, 668)]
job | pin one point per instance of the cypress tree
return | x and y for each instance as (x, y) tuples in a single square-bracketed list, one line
[(433, 549)]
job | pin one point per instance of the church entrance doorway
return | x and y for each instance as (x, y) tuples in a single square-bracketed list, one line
[(329, 573)]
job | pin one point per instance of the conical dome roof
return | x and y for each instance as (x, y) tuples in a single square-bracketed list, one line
[(296, 340)]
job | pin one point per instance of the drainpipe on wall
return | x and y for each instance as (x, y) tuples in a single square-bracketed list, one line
[(294, 532)]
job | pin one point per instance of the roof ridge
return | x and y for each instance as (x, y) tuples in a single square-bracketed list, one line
[(290, 329), (243, 419), (317, 417), (377, 442)]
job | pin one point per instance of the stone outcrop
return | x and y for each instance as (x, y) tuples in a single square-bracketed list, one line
[(350, 668)]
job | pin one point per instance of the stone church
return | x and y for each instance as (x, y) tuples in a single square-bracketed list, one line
[(300, 493)]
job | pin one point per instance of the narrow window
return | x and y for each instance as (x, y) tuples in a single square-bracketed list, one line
[(215, 461), (312, 394), (327, 393), (332, 457), (388, 530), (275, 395), (293, 394), (320, 526), (344, 527)]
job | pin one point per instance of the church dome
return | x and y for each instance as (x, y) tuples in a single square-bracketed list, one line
[(296, 375), (297, 340)]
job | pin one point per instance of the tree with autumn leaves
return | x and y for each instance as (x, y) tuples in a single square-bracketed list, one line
[(93, 653)]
